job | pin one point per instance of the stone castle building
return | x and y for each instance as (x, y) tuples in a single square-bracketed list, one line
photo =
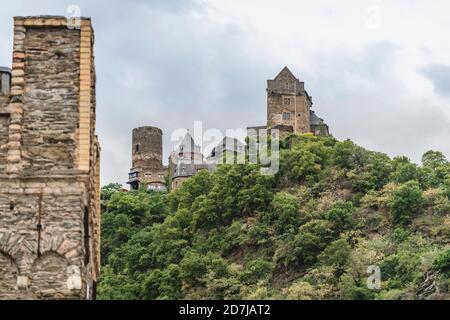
[(147, 165), (288, 110), (289, 107), (49, 163), (186, 161), (229, 150)]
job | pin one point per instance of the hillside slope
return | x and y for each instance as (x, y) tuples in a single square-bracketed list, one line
[(311, 232)]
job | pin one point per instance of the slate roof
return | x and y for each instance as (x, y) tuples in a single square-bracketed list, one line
[(315, 120)]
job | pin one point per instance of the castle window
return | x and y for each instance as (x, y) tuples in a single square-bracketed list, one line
[(138, 147), (286, 116), (134, 175), (87, 245), (287, 101)]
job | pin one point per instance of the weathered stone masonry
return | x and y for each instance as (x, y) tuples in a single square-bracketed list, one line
[(49, 164)]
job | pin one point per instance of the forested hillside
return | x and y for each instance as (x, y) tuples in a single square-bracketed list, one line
[(310, 232)]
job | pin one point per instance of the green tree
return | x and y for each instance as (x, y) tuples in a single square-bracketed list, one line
[(433, 159), (285, 215), (311, 239), (117, 229), (341, 216), (256, 270), (348, 155), (336, 254), (108, 190), (406, 202), (403, 170)]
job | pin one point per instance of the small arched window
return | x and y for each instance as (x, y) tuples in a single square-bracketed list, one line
[(138, 147)]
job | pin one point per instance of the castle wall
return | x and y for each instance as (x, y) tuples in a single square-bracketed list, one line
[(49, 182), (177, 182), (41, 218), (50, 99), (4, 135)]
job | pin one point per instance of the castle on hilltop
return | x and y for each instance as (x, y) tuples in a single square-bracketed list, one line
[(288, 110)]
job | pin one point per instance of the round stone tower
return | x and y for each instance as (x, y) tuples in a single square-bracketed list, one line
[(148, 169), (147, 148)]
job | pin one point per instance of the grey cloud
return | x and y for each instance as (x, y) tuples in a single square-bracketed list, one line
[(362, 99), (439, 75), (164, 63)]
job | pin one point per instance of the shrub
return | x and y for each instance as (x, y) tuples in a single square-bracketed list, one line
[(336, 254), (442, 262), (256, 270), (406, 201), (341, 216), (403, 170), (311, 239), (284, 216)]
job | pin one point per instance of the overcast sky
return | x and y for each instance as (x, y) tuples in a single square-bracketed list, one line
[(378, 71)]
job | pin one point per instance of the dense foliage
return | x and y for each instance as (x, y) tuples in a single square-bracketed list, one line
[(310, 232)]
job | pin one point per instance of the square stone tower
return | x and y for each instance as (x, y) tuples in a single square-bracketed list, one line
[(49, 164), (288, 103)]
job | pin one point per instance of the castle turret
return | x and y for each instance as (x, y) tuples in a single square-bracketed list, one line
[(147, 147), (147, 167)]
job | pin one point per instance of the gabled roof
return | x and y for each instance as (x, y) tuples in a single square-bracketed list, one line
[(286, 72), (188, 144)]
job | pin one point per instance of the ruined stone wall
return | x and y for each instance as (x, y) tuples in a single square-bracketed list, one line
[(49, 177)]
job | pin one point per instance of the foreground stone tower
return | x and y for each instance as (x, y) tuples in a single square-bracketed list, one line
[(49, 164), (147, 166)]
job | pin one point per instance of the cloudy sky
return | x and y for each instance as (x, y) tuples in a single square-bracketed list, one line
[(378, 71)]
